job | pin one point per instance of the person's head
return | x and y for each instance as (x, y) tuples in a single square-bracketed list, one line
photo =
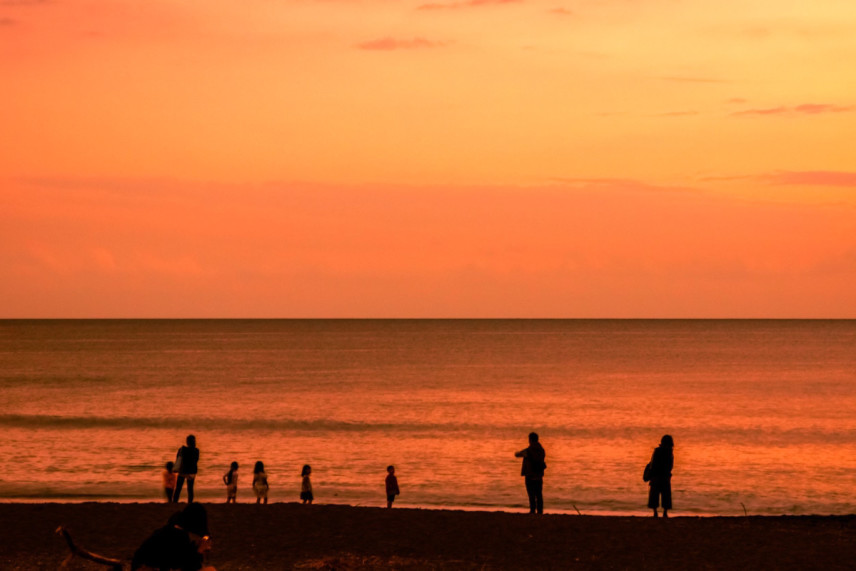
[(390, 469), (667, 441), (169, 466), (191, 440), (193, 518), (307, 469), (234, 466), (259, 467), (533, 437)]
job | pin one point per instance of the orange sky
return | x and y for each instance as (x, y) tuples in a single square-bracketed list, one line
[(397, 158)]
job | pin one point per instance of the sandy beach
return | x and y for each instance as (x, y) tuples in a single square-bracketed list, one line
[(285, 536)]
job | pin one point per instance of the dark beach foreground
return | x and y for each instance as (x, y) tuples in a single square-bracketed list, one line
[(285, 536)]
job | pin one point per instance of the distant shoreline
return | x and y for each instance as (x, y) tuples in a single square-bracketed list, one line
[(289, 535), (436, 319), (642, 512)]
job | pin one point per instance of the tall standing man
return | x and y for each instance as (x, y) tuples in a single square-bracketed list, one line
[(533, 472)]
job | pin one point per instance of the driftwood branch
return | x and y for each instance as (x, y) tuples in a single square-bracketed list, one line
[(114, 564)]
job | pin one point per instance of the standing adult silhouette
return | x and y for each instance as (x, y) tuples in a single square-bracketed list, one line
[(186, 461), (660, 485), (533, 472)]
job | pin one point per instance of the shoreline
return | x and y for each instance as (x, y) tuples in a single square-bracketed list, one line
[(329, 536), (521, 509)]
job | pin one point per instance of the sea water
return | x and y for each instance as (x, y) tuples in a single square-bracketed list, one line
[(762, 412)]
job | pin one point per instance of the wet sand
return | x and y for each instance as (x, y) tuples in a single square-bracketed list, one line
[(286, 536)]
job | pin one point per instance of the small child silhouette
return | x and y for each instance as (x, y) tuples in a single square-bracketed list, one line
[(306, 485), (391, 486), (169, 481), (231, 481), (260, 482)]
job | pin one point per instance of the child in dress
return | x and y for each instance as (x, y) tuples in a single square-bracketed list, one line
[(306, 485), (169, 481), (260, 483), (231, 481), (391, 486)]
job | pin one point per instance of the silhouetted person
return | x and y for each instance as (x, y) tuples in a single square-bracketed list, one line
[(306, 485), (533, 472), (660, 484), (186, 465), (260, 482), (231, 481), (169, 481), (180, 544), (391, 486)]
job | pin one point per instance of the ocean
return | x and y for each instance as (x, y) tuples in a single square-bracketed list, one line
[(762, 412)]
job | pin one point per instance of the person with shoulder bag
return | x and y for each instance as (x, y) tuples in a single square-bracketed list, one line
[(658, 474), (186, 461)]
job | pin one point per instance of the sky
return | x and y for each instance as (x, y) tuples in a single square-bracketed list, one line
[(398, 158)]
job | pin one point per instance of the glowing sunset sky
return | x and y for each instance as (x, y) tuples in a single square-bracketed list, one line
[(396, 158)]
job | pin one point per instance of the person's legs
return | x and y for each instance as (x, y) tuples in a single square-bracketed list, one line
[(190, 480), (654, 497), (530, 491), (666, 492), (539, 496), (179, 482)]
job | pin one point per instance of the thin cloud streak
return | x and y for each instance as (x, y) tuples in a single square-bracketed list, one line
[(391, 44), (468, 4), (802, 109), (684, 79), (561, 12), (676, 114), (813, 108), (844, 179), (25, 2), (616, 184), (813, 178)]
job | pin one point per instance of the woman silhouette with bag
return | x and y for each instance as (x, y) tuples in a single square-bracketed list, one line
[(186, 465), (659, 474)]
